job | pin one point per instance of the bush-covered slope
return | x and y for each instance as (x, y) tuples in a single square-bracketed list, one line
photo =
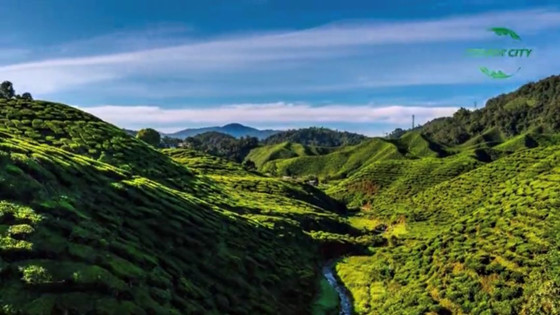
[(337, 164), (92, 220), (75, 131), (284, 150), (534, 105), (222, 145), (314, 136), (347, 160), (387, 182), (267, 199), (82, 236), (484, 242)]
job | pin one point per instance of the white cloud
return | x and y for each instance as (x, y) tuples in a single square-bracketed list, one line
[(271, 113), (271, 54)]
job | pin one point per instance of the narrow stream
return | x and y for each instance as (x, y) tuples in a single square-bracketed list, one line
[(345, 302)]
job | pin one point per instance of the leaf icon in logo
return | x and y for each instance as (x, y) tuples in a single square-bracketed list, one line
[(497, 74), (502, 31)]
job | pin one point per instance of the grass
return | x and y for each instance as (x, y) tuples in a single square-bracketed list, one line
[(326, 301)]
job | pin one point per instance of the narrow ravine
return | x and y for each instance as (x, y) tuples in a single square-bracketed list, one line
[(345, 301)]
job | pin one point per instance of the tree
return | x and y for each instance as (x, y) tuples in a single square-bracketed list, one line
[(168, 142), (27, 96), (7, 90), (150, 136), (396, 134)]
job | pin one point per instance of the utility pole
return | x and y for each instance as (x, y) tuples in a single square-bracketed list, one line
[(412, 121), (475, 105)]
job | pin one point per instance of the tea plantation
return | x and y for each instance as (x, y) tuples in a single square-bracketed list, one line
[(459, 216), (93, 220)]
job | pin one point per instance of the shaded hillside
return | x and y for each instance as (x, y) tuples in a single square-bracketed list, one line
[(234, 130), (80, 235), (222, 145), (92, 220), (315, 136), (269, 199)]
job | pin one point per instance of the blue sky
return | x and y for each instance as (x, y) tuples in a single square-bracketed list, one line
[(363, 66)]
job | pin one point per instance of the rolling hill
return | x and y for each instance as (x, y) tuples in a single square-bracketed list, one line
[(459, 216), (485, 241), (284, 150), (316, 136), (341, 162)]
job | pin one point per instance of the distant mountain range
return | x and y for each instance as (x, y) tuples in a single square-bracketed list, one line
[(235, 130)]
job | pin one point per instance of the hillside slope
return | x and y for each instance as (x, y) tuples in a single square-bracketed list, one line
[(482, 242), (92, 220), (284, 150), (533, 106), (387, 182), (347, 160), (315, 136)]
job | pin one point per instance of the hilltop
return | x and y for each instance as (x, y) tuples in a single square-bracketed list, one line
[(234, 129), (532, 107), (314, 136)]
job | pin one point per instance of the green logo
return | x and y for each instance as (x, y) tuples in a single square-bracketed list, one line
[(516, 52)]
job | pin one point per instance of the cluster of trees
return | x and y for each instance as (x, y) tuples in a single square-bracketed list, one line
[(533, 106), (396, 134), (222, 145), (236, 149), (7, 91), (214, 143), (315, 136)]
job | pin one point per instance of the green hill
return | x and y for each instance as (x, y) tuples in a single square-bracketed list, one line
[(315, 136), (532, 106), (222, 145), (347, 160), (387, 182), (459, 216), (482, 242), (92, 220), (75, 131), (284, 150)]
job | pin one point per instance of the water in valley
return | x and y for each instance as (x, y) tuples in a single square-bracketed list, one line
[(345, 302)]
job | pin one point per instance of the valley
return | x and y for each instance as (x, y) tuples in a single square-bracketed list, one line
[(458, 216)]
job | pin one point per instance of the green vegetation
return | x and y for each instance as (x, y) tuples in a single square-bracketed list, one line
[(284, 150), (477, 243), (150, 136), (534, 105), (93, 220), (222, 145), (327, 299), (320, 137), (459, 216), (342, 162)]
